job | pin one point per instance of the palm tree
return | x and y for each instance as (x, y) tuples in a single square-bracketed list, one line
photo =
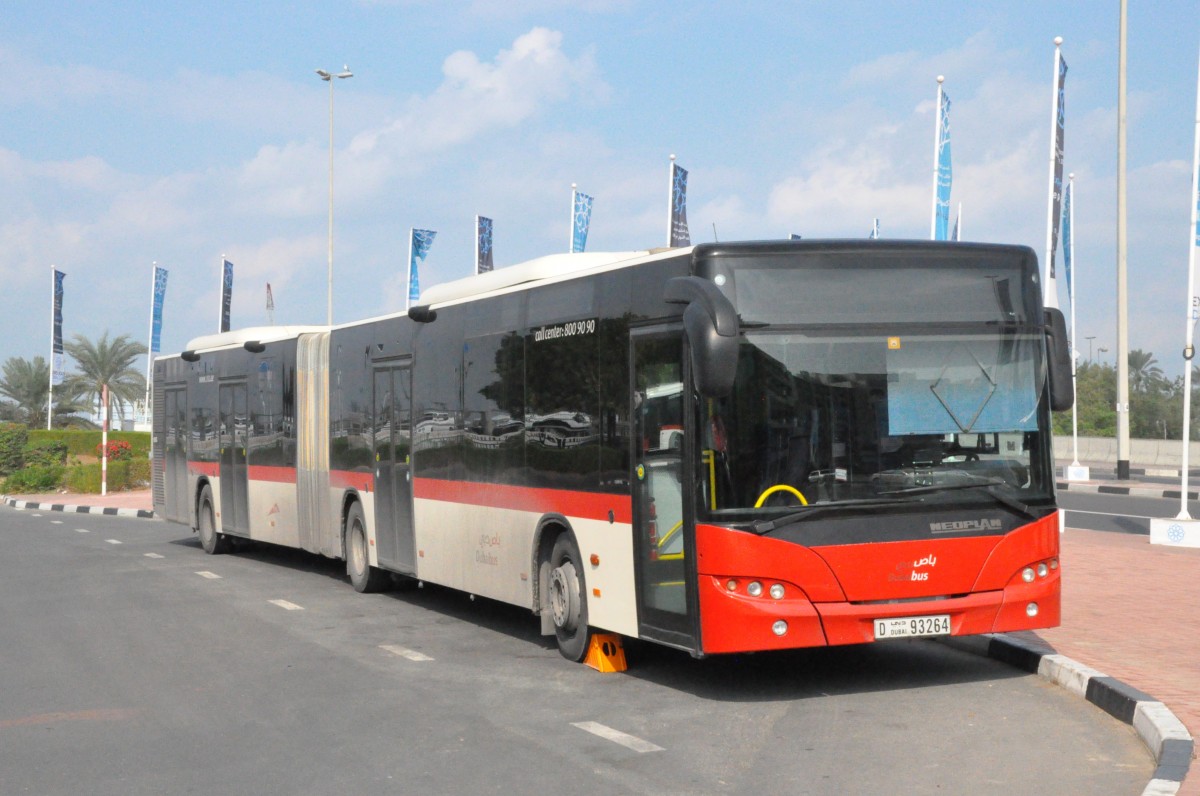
[(1144, 371), (28, 385), (108, 363)]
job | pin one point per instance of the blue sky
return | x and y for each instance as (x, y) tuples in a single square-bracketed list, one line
[(177, 132)]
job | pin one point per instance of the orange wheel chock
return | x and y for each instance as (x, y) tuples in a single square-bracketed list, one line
[(605, 654)]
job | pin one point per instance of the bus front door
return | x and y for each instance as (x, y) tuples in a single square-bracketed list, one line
[(394, 540), (235, 482), (663, 518)]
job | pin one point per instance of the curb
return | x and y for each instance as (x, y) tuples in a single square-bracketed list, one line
[(1162, 732), (1136, 491), (111, 511)]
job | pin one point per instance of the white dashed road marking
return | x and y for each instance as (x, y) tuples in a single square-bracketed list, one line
[(113, 541), (412, 655), (287, 606), (82, 530), (152, 555), (616, 736), (209, 575), (56, 522)]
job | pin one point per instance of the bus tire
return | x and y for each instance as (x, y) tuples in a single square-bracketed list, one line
[(213, 541), (364, 577), (567, 598)]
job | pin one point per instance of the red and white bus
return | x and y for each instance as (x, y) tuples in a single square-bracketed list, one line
[(729, 447)]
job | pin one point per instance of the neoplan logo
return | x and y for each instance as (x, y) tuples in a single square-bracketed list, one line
[(959, 526)]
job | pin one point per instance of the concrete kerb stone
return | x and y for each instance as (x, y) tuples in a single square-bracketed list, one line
[(1160, 730), (110, 511)]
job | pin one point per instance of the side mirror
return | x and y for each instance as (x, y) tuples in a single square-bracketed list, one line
[(1058, 361), (711, 324), (422, 314)]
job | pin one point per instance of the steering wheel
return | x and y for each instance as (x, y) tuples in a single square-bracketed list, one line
[(780, 488)]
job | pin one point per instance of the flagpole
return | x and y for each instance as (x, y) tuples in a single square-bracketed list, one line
[(958, 224), (221, 293), (50, 395), (571, 228), (670, 197), (150, 340), (1050, 283), (476, 244), (937, 134), (1072, 279), (408, 284), (1189, 349)]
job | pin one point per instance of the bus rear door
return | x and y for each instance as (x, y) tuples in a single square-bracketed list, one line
[(393, 478)]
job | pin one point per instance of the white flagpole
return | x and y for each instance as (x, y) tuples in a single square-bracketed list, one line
[(958, 223), (476, 244), (571, 230), (50, 395), (1050, 283), (221, 295), (150, 341), (1073, 282), (1189, 349), (408, 283), (937, 135), (670, 198)]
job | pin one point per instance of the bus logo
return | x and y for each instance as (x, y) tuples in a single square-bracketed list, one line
[(962, 526)]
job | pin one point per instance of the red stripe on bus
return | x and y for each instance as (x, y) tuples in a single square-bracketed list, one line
[(351, 479), (569, 503), (204, 468), (272, 474)]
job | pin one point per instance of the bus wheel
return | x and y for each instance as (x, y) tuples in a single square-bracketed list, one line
[(213, 541), (568, 603), (363, 576)]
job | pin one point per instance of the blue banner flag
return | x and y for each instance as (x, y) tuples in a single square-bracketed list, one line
[(226, 293), (160, 293), (944, 173), (581, 219), (58, 371), (418, 248), (1059, 130), (679, 223), (1067, 242), (874, 231), (483, 245)]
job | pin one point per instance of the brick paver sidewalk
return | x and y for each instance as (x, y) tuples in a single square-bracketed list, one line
[(1130, 610)]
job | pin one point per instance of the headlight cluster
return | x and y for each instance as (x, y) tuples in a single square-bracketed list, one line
[(754, 588), (1039, 570)]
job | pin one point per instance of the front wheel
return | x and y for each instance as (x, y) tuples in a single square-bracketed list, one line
[(213, 541), (363, 576), (568, 599)]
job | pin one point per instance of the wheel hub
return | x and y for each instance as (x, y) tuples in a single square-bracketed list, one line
[(564, 596)]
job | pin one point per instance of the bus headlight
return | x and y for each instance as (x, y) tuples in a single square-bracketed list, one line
[(1028, 575), (779, 628), (1031, 610), (754, 589), (777, 591), (1042, 570)]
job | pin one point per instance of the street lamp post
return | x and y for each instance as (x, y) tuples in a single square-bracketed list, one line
[(328, 78)]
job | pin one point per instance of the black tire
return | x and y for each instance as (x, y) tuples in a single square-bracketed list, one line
[(364, 577), (566, 599), (213, 541)]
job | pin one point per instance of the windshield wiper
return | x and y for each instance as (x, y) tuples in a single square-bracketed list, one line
[(766, 526), (988, 484)]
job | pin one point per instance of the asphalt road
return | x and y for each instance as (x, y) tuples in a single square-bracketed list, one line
[(132, 663)]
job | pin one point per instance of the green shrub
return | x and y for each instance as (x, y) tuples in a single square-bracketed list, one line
[(13, 440), (85, 478), (34, 479), (46, 455), (83, 443)]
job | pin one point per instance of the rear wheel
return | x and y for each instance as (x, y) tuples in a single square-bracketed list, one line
[(363, 576), (567, 598), (213, 541)]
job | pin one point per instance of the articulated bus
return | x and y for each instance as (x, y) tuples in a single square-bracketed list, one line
[(729, 447)]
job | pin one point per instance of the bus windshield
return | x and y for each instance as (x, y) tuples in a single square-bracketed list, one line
[(838, 414)]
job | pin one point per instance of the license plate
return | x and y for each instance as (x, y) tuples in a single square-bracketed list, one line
[(910, 626)]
